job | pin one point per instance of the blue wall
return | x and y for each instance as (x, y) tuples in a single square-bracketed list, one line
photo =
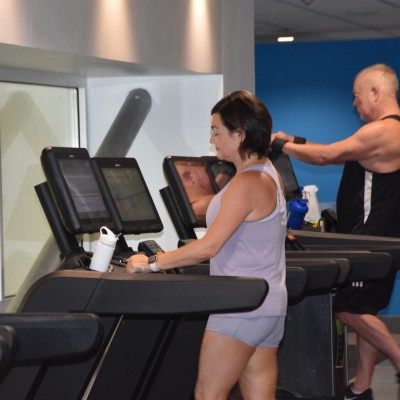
[(308, 88)]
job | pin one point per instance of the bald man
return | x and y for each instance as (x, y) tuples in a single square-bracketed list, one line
[(367, 204)]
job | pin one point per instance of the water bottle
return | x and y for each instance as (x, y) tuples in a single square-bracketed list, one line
[(104, 251), (297, 210)]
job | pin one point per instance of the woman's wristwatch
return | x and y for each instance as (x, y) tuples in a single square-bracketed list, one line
[(153, 263)]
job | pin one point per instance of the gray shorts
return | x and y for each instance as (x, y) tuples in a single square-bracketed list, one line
[(257, 332)]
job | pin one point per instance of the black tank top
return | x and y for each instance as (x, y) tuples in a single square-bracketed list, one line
[(384, 201), (397, 117)]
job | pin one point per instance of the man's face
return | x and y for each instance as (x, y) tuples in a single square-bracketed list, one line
[(363, 99)]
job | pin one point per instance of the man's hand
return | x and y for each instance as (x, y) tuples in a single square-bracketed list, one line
[(282, 135)]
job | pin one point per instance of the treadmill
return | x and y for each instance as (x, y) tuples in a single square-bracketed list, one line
[(310, 364), (152, 324), (313, 353)]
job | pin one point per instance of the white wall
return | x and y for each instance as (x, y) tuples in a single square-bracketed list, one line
[(206, 36), (178, 124), (186, 53), (95, 28)]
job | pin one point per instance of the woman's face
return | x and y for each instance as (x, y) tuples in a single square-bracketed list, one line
[(226, 143)]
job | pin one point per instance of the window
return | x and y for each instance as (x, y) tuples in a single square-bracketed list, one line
[(31, 118)]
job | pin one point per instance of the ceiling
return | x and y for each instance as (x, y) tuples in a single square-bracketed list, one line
[(321, 20)]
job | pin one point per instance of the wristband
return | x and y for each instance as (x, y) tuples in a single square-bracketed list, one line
[(299, 140), (277, 145), (153, 264)]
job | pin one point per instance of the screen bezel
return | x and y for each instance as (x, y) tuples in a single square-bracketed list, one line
[(73, 220), (134, 225), (178, 190)]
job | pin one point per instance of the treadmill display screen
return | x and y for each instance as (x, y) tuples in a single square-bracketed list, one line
[(75, 189), (125, 189), (193, 180), (221, 171), (191, 186), (84, 189)]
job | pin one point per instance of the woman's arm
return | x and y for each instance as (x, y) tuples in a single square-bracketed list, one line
[(238, 203)]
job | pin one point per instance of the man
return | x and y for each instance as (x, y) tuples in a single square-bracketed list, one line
[(367, 203)]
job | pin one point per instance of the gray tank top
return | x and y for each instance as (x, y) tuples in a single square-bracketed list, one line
[(256, 249)]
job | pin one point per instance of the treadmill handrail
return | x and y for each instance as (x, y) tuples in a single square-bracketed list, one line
[(150, 294)]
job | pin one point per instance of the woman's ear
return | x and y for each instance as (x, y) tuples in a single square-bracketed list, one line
[(240, 134)]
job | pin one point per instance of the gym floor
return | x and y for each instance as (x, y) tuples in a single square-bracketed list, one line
[(384, 381)]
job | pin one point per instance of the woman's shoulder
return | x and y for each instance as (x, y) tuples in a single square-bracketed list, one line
[(255, 169), (252, 176)]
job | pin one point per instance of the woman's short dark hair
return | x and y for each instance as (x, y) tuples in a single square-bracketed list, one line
[(243, 112)]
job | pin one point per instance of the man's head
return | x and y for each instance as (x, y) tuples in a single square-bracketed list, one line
[(374, 88)]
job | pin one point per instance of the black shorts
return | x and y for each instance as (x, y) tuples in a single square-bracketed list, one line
[(368, 298)]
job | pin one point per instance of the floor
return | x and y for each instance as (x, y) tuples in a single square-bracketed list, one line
[(384, 381)]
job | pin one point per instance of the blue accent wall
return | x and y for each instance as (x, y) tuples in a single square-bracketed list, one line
[(308, 88)]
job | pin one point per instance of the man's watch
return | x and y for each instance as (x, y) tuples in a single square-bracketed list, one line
[(299, 140), (152, 261), (277, 145)]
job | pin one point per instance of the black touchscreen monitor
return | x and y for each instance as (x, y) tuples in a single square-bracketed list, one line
[(126, 191), (284, 166), (220, 171), (191, 187), (76, 192)]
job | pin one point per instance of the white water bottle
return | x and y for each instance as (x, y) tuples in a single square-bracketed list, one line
[(104, 251)]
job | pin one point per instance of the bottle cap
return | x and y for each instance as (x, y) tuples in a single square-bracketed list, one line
[(107, 236)]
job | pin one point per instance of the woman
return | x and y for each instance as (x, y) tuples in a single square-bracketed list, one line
[(245, 237)]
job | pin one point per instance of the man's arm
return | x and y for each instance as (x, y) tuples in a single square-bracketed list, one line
[(362, 145)]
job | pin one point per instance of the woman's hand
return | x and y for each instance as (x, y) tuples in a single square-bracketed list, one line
[(138, 263)]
